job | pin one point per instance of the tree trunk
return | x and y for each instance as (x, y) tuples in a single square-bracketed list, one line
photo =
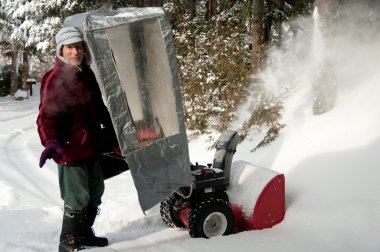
[(296, 11), (213, 8), (155, 3), (25, 69), (138, 3), (257, 30), (207, 7), (147, 3), (193, 8), (327, 10), (325, 87), (158, 3), (4, 54), (267, 28), (14, 74), (280, 6)]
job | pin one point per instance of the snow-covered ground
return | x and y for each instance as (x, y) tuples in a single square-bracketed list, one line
[(331, 164)]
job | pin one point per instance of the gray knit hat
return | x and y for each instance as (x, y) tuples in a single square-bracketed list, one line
[(68, 35)]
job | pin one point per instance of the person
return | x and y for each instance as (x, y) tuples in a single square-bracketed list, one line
[(71, 118)]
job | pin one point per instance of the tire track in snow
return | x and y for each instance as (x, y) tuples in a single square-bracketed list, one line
[(144, 233), (138, 228), (30, 230), (20, 163)]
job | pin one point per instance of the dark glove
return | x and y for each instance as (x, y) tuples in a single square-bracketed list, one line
[(52, 147)]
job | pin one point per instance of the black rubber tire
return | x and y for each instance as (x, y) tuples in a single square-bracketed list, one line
[(211, 217), (168, 214)]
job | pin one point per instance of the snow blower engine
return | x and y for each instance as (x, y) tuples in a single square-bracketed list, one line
[(206, 212)]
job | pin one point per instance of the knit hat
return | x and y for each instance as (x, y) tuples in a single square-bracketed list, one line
[(68, 35)]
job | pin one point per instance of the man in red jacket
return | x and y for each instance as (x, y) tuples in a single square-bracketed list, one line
[(71, 114)]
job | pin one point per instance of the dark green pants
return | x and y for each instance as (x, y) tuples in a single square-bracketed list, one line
[(81, 186)]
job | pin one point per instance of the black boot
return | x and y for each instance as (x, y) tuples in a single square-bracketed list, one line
[(71, 230), (77, 233), (69, 243), (89, 238)]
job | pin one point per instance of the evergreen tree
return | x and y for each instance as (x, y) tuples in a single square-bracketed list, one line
[(32, 25)]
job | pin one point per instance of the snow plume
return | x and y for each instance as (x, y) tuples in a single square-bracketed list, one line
[(349, 56), (357, 44)]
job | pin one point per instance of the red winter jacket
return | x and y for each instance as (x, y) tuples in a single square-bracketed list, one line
[(71, 111)]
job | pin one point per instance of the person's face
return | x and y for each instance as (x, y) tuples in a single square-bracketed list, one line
[(73, 53)]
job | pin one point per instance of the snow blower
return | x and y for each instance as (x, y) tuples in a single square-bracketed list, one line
[(208, 211), (135, 65)]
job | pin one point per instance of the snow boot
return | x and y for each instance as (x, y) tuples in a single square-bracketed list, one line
[(71, 230), (77, 233), (69, 243), (89, 238)]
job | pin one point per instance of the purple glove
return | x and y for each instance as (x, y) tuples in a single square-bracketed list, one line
[(52, 147)]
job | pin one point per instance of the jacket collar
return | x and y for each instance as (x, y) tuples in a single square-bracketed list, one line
[(63, 63)]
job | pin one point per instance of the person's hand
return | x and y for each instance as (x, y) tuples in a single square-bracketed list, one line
[(52, 147)]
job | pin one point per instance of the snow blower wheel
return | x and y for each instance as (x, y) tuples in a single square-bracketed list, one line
[(211, 217), (169, 214)]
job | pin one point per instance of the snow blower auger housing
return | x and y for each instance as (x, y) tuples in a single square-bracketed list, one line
[(134, 62)]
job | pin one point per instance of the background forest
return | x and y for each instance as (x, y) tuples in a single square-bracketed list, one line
[(221, 48)]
